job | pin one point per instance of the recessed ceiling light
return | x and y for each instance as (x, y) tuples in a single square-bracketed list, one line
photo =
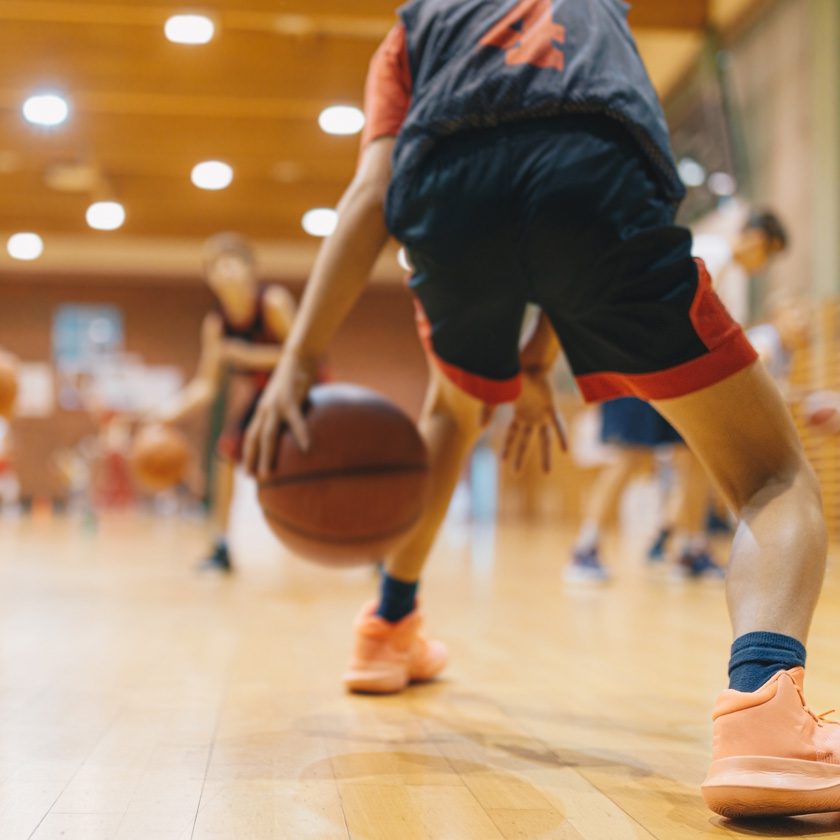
[(25, 246), (691, 172), (105, 215), (322, 221), (212, 175), (722, 184), (47, 109), (342, 120), (190, 29)]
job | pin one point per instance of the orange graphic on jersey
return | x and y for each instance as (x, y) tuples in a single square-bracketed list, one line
[(529, 35)]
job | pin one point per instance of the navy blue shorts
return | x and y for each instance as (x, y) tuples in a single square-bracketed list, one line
[(633, 422), (564, 214)]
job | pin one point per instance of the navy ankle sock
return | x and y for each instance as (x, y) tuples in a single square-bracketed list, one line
[(757, 656), (396, 599)]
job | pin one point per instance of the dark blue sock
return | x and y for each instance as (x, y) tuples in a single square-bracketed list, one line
[(757, 656), (397, 598)]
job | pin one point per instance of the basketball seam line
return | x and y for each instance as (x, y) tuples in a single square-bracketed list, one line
[(302, 532), (349, 472)]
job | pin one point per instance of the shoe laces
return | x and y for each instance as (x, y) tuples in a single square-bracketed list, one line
[(823, 718), (820, 719)]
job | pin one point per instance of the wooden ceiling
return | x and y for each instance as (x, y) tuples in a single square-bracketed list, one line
[(144, 111)]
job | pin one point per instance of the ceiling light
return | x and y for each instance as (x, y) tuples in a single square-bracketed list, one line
[(105, 215), (321, 221), (47, 109), (212, 175), (25, 246), (691, 172), (342, 120), (190, 29), (722, 184)]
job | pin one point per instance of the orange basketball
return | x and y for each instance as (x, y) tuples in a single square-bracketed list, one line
[(159, 458), (359, 489), (8, 384)]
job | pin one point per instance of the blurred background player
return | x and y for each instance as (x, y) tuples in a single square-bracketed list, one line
[(240, 344), (637, 431), (738, 243)]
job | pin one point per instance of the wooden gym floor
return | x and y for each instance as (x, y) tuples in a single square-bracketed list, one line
[(139, 701)]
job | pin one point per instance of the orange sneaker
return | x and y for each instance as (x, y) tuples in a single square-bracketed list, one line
[(387, 657), (772, 756)]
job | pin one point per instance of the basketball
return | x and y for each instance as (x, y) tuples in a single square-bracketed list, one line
[(159, 458), (8, 384), (359, 489), (822, 412)]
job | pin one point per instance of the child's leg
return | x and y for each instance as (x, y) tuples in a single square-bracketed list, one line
[(692, 496), (606, 493), (389, 650), (687, 517), (223, 483), (743, 433), (451, 424), (224, 477)]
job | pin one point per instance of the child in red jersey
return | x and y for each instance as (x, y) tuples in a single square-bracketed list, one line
[(240, 344)]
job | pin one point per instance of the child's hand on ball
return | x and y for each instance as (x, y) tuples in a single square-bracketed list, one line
[(280, 404)]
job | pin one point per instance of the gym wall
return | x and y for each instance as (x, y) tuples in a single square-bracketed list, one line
[(378, 347)]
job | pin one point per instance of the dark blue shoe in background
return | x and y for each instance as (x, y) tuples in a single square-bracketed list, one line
[(219, 559), (698, 565), (718, 524), (656, 553), (586, 567)]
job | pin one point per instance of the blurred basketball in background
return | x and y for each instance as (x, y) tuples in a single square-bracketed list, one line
[(8, 384), (822, 412), (359, 489), (159, 458)]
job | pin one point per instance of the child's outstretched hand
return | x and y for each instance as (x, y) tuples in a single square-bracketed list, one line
[(534, 411), (280, 405)]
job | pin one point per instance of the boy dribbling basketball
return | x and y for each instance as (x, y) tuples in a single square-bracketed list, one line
[(519, 152)]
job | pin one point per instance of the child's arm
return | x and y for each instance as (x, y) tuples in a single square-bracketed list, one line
[(346, 258), (338, 278), (200, 391)]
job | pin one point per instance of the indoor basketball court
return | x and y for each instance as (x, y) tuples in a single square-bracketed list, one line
[(380, 458)]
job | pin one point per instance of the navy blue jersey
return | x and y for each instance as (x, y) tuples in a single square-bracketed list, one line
[(480, 63)]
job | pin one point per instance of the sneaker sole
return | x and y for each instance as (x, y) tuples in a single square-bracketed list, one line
[(366, 682), (760, 786)]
